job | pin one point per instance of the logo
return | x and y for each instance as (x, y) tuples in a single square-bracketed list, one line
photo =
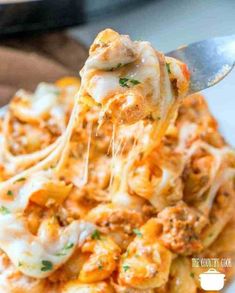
[(212, 280)]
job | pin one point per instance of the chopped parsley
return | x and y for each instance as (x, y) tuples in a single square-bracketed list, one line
[(20, 264), (20, 179), (134, 81), (96, 235), (125, 267), (127, 82), (116, 67), (4, 210), (123, 82), (62, 253), (137, 232), (168, 67), (65, 249), (10, 193), (119, 65), (46, 266), (192, 274), (69, 246)]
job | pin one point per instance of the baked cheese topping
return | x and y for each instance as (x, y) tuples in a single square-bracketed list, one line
[(113, 183)]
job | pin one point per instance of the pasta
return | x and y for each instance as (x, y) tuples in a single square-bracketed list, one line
[(113, 183)]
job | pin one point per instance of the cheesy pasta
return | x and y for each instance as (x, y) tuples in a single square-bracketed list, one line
[(114, 183)]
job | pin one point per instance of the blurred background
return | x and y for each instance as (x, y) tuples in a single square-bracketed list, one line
[(46, 39)]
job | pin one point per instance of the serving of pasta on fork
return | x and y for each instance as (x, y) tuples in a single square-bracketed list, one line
[(114, 182)]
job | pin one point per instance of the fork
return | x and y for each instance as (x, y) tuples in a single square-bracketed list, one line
[(209, 61)]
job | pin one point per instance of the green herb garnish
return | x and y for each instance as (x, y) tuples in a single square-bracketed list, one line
[(10, 193), (192, 274), (134, 81), (4, 210), (123, 81), (68, 246), (116, 67), (62, 253), (46, 266), (127, 82), (137, 232), (168, 67), (64, 249), (125, 268), (119, 65), (95, 235)]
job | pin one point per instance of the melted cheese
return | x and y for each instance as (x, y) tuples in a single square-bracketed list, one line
[(28, 252), (127, 96), (144, 75)]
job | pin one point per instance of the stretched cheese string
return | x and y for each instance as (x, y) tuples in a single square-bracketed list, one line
[(158, 130), (15, 239), (86, 163), (226, 176), (59, 154)]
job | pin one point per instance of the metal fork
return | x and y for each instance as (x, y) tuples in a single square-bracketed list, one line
[(209, 61)]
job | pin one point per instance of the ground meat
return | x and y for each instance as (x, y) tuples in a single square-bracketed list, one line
[(181, 228), (122, 218)]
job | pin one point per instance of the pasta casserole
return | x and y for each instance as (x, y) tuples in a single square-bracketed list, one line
[(114, 182)]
